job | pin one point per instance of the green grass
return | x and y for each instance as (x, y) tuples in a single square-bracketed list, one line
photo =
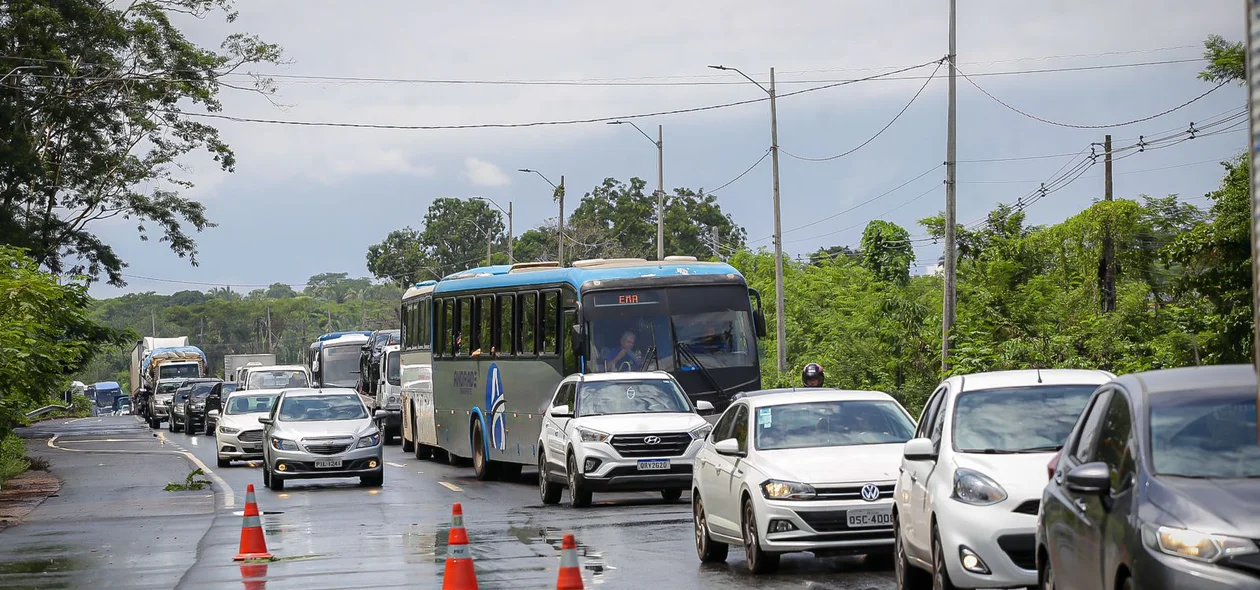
[(12, 457)]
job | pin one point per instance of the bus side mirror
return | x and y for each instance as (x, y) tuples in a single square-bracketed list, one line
[(759, 323), (579, 343)]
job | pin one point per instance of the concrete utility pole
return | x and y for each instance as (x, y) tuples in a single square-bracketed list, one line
[(559, 195), (1109, 246), (511, 257), (1253, 83), (716, 253), (951, 184), (659, 142)]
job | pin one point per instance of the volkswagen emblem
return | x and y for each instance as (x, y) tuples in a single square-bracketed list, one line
[(870, 492), (652, 440)]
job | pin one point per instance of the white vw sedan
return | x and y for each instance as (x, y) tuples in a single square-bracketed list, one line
[(799, 471)]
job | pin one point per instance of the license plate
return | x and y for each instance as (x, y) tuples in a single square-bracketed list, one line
[(654, 465), (868, 518), (329, 463)]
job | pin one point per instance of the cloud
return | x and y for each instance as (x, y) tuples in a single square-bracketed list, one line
[(483, 173)]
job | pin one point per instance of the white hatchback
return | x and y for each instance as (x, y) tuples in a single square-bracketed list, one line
[(799, 471), (971, 480), (619, 432)]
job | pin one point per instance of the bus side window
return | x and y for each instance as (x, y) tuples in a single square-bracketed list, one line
[(506, 340), (464, 331), (566, 335), (485, 325), (424, 327), (447, 330), (550, 323), (527, 323), (408, 323)]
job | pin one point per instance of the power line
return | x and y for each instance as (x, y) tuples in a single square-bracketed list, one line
[(742, 174), (857, 225), (866, 202), (878, 133)]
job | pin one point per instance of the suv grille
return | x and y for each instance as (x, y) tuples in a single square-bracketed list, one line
[(853, 492), (671, 444), (250, 436)]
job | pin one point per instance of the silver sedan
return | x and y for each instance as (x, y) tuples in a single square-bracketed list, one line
[(313, 433)]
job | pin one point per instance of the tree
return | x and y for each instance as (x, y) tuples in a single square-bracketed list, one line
[(95, 125), (886, 251), (280, 291), (401, 258), (834, 253), (334, 286), (45, 335), (1227, 62), (456, 232)]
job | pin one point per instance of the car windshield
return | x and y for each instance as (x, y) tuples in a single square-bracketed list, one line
[(199, 391), (392, 369), (282, 379), (249, 403), (831, 424), (181, 396), (168, 387), (1034, 418), (599, 398), (340, 365), (1209, 435), (318, 408), (228, 388)]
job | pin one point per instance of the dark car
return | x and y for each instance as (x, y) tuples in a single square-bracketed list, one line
[(1158, 486), (214, 403), (369, 360), (188, 408)]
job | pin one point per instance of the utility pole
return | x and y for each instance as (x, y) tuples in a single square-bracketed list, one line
[(951, 184), (716, 253), (511, 257), (1253, 79), (560, 228), (489, 252), (1109, 247), (660, 193), (780, 325), (270, 347), (153, 322)]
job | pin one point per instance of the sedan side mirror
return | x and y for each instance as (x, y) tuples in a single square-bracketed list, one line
[(561, 412), (704, 407), (265, 420), (920, 449), (729, 447), (1090, 478)]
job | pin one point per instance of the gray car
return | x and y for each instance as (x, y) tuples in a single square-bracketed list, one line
[(1158, 486), (319, 433)]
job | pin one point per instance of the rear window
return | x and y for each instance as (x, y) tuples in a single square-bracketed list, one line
[(1212, 435), (318, 408)]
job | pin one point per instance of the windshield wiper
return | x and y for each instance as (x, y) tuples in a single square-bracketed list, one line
[(1045, 449), (691, 357), (993, 451), (651, 356)]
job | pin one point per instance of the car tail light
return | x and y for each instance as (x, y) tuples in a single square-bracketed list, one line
[(1053, 465)]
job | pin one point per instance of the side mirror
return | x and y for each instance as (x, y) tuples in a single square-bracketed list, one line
[(213, 413), (561, 412), (380, 414), (704, 407), (920, 449), (759, 323), (1090, 478), (578, 342), (265, 420), (729, 447)]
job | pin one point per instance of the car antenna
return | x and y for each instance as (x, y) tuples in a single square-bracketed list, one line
[(1038, 374)]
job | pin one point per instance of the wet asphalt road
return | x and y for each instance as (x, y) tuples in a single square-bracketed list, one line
[(112, 525)]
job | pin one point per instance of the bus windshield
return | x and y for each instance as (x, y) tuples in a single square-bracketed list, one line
[(671, 329), (340, 365)]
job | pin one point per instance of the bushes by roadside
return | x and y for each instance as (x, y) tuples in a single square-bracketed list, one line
[(12, 457)]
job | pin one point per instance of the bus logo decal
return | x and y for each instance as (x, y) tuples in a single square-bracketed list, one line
[(496, 404)]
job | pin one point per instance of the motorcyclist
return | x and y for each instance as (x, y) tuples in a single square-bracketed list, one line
[(812, 375)]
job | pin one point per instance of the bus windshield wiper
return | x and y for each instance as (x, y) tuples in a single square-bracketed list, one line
[(651, 357), (685, 352)]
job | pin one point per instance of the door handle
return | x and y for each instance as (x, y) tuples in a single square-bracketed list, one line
[(914, 477), (739, 473)]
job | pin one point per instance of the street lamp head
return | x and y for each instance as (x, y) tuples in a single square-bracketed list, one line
[(526, 170), (719, 67), (616, 122)]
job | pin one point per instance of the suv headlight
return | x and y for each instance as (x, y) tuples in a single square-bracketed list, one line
[(1195, 545), (283, 444), (230, 430), (787, 490), (702, 432), (588, 435), (370, 440), (977, 489)]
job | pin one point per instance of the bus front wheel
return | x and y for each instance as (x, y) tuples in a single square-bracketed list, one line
[(483, 467)]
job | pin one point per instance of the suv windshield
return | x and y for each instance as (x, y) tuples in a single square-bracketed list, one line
[(289, 378), (317, 408), (199, 391), (598, 398), (250, 403), (1210, 435), (1034, 418), (831, 424)]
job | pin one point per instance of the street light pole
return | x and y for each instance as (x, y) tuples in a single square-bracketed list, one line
[(659, 142), (780, 324), (559, 196), (511, 257)]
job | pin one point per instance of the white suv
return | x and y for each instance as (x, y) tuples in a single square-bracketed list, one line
[(972, 478), (619, 432)]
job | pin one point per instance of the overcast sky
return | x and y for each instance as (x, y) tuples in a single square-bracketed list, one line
[(305, 200)]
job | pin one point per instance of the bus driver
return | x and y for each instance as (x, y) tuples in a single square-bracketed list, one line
[(626, 359)]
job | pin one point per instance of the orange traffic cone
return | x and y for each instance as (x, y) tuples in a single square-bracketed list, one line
[(254, 576), (570, 571), (459, 574), (253, 544)]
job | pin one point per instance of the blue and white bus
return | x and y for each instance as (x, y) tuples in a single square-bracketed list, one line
[(502, 338)]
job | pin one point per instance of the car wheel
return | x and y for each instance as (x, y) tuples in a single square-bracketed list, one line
[(423, 451), (548, 490), (224, 462), (707, 549), (759, 561), (266, 476), (579, 497), (482, 466), (154, 423), (1045, 575), (671, 495), (940, 572), (908, 577), (373, 481), (275, 482)]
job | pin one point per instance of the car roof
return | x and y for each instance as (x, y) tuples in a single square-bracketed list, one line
[(627, 376), (1027, 377), (814, 394), (245, 392), (196, 380), (1165, 382), (758, 392), (278, 368), (307, 391)]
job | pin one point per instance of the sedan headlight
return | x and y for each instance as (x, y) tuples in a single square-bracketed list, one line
[(283, 444), (702, 432), (230, 430), (1195, 545), (977, 489), (370, 440), (787, 490), (588, 435)]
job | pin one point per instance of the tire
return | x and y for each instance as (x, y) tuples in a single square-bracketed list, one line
[(940, 571), (671, 496), (407, 445), (423, 451), (1127, 584), (154, 423), (707, 549), (1045, 576), (224, 462), (483, 467), (373, 481), (273, 480), (759, 561), (549, 491), (907, 575), (456, 461), (579, 497)]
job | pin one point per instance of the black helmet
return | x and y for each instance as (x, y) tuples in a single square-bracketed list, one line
[(812, 375)]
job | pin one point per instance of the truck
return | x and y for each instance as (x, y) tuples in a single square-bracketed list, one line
[(381, 386), (232, 362), (157, 371), (142, 348)]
